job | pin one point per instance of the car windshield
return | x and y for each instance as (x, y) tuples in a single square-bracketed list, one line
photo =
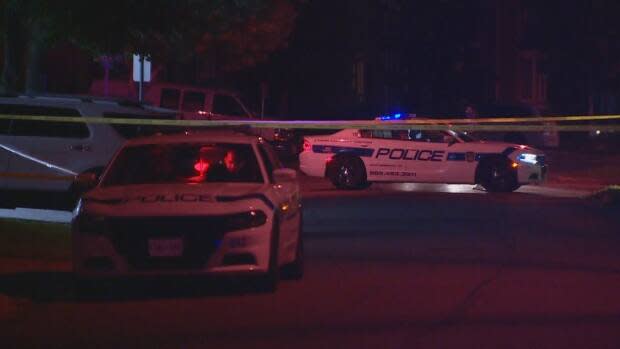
[(188, 163)]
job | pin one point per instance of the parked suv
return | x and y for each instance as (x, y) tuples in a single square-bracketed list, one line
[(46, 156), (203, 103)]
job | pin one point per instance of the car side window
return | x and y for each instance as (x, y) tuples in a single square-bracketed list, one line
[(385, 134), (170, 98), (133, 131), (193, 101), (227, 105), (35, 128), (429, 136), (365, 133)]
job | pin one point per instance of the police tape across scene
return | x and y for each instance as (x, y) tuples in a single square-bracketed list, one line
[(495, 124)]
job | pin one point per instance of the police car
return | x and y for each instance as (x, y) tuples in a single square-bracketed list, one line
[(202, 203), (354, 158)]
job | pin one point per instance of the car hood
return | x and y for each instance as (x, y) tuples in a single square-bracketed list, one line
[(173, 199)]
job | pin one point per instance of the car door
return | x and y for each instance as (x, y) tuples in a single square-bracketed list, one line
[(426, 154), (193, 105), (45, 155), (387, 162)]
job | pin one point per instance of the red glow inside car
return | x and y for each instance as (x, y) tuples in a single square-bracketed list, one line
[(201, 166)]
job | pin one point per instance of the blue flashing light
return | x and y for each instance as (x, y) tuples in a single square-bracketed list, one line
[(396, 116)]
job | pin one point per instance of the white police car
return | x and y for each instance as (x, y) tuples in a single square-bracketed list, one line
[(45, 156), (203, 203), (354, 158)]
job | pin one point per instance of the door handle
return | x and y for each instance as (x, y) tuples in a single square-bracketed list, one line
[(80, 147)]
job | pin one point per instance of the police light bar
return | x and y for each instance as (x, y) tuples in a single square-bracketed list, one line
[(396, 116)]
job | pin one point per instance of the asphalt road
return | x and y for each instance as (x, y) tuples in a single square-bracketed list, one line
[(387, 267)]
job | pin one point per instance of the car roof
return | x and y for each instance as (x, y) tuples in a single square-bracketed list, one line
[(88, 104), (222, 136), (69, 99)]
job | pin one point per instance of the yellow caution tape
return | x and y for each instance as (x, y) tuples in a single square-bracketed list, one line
[(498, 124)]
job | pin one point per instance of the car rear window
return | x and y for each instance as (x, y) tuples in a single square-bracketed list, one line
[(134, 131), (184, 163), (36, 128)]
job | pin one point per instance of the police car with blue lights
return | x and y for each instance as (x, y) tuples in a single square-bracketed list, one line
[(202, 203), (354, 158)]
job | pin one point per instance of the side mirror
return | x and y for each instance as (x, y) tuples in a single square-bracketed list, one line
[(86, 181), (284, 175)]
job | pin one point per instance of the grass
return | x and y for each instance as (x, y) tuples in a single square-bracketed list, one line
[(37, 240), (608, 196)]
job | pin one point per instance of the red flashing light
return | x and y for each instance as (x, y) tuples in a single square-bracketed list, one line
[(201, 166)]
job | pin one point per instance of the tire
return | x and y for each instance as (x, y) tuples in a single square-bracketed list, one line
[(348, 173), (497, 176)]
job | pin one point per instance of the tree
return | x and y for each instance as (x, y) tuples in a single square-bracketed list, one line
[(251, 43), (153, 27), (582, 47)]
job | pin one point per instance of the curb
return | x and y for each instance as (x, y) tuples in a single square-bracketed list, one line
[(608, 197)]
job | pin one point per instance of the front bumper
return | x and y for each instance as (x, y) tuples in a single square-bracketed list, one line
[(205, 252), (532, 174)]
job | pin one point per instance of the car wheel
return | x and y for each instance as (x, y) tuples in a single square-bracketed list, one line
[(497, 176), (348, 173)]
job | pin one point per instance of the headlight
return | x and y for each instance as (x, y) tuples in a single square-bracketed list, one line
[(528, 158), (245, 220), (88, 224)]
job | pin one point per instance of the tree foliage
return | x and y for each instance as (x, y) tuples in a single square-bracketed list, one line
[(159, 28), (250, 43)]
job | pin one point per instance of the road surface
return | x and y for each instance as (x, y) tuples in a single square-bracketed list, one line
[(386, 268)]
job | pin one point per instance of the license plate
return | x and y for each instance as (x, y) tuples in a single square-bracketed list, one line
[(166, 247)]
